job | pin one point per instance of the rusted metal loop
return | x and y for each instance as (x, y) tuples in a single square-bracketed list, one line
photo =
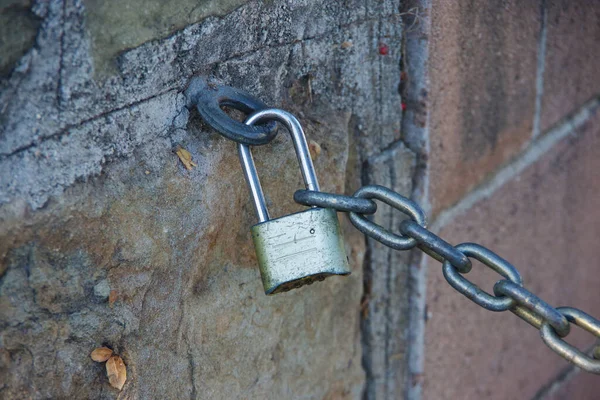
[(435, 246), (338, 202), (209, 99), (567, 351), (529, 306), (395, 200), (472, 291)]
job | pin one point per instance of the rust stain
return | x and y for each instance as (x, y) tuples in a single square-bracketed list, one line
[(112, 297)]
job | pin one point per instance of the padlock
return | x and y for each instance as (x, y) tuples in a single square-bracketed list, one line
[(300, 248)]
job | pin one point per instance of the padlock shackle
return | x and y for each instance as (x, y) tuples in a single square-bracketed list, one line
[(302, 152)]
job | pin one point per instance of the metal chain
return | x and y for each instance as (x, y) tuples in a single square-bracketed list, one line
[(509, 294)]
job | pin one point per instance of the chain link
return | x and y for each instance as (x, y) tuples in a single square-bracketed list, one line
[(472, 291), (564, 349), (395, 200), (435, 247), (338, 202), (509, 294), (554, 324), (532, 308)]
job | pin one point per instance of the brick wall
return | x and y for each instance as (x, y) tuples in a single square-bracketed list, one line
[(514, 130), (107, 239)]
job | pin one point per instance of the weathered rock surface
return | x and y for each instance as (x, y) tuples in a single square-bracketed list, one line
[(105, 239)]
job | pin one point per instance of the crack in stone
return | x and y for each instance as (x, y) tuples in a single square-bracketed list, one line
[(192, 368), (82, 124), (234, 57), (61, 61)]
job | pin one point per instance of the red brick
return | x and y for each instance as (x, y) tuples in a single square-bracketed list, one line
[(572, 56), (546, 223), (483, 72)]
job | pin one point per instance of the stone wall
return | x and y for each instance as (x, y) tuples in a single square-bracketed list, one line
[(106, 239)]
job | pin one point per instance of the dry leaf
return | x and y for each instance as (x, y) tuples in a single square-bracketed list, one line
[(185, 157), (314, 149), (101, 354), (116, 371), (347, 44)]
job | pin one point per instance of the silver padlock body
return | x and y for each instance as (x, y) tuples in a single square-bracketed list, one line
[(299, 249)]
